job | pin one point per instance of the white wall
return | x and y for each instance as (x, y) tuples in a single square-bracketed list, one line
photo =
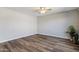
[(57, 24), (15, 24)]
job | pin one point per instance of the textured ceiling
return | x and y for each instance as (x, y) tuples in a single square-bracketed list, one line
[(30, 10)]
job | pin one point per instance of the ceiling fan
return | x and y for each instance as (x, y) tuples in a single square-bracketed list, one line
[(42, 10)]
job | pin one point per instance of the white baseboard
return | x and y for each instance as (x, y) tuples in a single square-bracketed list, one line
[(29, 35), (55, 36), (15, 38)]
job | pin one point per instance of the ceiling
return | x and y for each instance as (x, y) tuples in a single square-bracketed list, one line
[(30, 10)]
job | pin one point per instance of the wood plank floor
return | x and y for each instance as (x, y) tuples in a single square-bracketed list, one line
[(39, 43)]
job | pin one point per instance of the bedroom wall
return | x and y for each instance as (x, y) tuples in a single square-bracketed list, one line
[(14, 24), (57, 24)]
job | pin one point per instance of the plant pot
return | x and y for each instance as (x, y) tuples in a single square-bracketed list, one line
[(75, 39)]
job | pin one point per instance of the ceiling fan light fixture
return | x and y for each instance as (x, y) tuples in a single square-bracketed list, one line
[(42, 10)]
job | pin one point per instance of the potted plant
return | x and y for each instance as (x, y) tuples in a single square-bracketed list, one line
[(72, 32)]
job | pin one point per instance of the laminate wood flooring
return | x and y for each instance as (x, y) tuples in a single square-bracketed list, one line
[(39, 43)]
